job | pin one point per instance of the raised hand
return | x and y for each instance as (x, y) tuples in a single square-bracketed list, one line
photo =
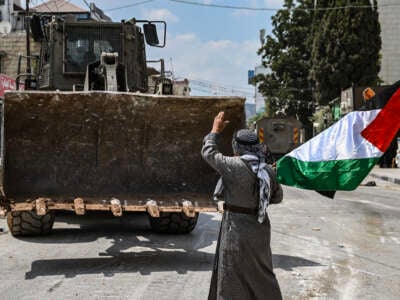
[(219, 123)]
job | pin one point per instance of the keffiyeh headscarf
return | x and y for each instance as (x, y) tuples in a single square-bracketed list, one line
[(245, 144)]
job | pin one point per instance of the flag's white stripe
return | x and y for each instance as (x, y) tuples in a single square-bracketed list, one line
[(342, 140)]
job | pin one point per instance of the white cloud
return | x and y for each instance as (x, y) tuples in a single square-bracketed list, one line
[(223, 62), (185, 37), (160, 15), (220, 44)]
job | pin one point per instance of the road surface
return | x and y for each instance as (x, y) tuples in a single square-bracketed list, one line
[(347, 248)]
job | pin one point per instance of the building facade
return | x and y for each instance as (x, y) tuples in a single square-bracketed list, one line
[(389, 12), (259, 98), (13, 34), (11, 16)]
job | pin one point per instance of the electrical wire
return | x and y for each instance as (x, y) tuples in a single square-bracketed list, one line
[(129, 5), (273, 9), (223, 85), (217, 89)]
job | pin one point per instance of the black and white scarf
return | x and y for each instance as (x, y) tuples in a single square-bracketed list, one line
[(259, 168)]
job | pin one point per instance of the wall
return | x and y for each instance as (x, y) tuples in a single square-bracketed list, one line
[(13, 44), (389, 11), (259, 98)]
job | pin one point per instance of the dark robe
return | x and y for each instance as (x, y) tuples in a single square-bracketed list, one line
[(243, 261)]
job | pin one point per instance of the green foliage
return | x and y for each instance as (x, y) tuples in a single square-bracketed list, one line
[(314, 54), (286, 53), (323, 117), (345, 49), (255, 118)]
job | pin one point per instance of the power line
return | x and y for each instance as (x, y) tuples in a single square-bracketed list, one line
[(227, 86), (129, 5), (222, 6), (218, 89), (272, 9), (218, 93)]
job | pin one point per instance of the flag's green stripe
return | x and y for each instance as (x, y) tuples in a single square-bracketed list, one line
[(324, 175)]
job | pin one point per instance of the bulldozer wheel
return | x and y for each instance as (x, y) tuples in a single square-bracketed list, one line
[(28, 223), (173, 223)]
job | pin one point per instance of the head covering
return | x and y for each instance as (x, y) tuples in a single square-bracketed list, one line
[(246, 137), (246, 141)]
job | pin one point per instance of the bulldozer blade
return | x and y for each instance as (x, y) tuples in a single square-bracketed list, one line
[(100, 144)]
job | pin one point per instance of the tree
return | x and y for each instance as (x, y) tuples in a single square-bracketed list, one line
[(345, 49), (287, 88)]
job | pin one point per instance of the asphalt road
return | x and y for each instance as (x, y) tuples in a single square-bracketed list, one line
[(347, 248)]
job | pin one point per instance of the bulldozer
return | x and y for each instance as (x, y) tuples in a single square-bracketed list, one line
[(86, 134)]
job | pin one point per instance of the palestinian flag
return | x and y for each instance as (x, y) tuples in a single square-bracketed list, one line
[(341, 156)]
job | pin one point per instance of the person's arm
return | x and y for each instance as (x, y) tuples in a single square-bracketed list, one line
[(210, 151), (276, 188)]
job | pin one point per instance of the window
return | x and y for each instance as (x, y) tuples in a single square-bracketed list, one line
[(2, 55), (83, 45)]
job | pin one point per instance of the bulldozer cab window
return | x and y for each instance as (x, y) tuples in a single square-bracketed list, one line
[(101, 46), (78, 52), (82, 52), (85, 45)]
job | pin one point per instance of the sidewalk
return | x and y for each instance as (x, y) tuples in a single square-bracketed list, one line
[(388, 174)]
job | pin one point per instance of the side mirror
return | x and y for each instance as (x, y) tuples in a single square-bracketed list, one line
[(150, 33)]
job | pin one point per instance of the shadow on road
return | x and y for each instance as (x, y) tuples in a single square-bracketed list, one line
[(288, 263), (145, 263), (135, 248)]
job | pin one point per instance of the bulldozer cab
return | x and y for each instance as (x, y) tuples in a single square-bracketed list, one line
[(67, 48)]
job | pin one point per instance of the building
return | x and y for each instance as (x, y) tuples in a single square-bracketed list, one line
[(259, 98), (12, 16), (181, 87), (61, 8), (13, 34), (389, 11), (66, 8)]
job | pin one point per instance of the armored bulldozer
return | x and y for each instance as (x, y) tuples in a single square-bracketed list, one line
[(92, 137)]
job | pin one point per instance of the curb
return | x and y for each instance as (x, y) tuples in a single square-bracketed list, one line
[(386, 178)]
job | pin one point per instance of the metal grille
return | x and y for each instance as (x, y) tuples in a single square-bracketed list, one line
[(84, 44), (44, 78)]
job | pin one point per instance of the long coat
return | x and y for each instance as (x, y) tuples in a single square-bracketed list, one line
[(243, 261)]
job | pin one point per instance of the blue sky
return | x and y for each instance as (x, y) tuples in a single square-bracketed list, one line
[(210, 44)]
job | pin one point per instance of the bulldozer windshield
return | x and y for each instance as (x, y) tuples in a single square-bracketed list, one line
[(84, 45)]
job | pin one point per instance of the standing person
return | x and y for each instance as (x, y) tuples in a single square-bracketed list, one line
[(243, 261)]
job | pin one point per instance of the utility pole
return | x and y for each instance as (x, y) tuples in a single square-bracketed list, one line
[(28, 41)]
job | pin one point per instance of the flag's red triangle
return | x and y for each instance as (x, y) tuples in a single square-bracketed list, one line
[(385, 126)]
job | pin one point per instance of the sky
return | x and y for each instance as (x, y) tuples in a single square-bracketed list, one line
[(213, 45)]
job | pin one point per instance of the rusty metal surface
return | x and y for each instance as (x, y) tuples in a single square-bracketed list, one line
[(76, 144), (187, 203)]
